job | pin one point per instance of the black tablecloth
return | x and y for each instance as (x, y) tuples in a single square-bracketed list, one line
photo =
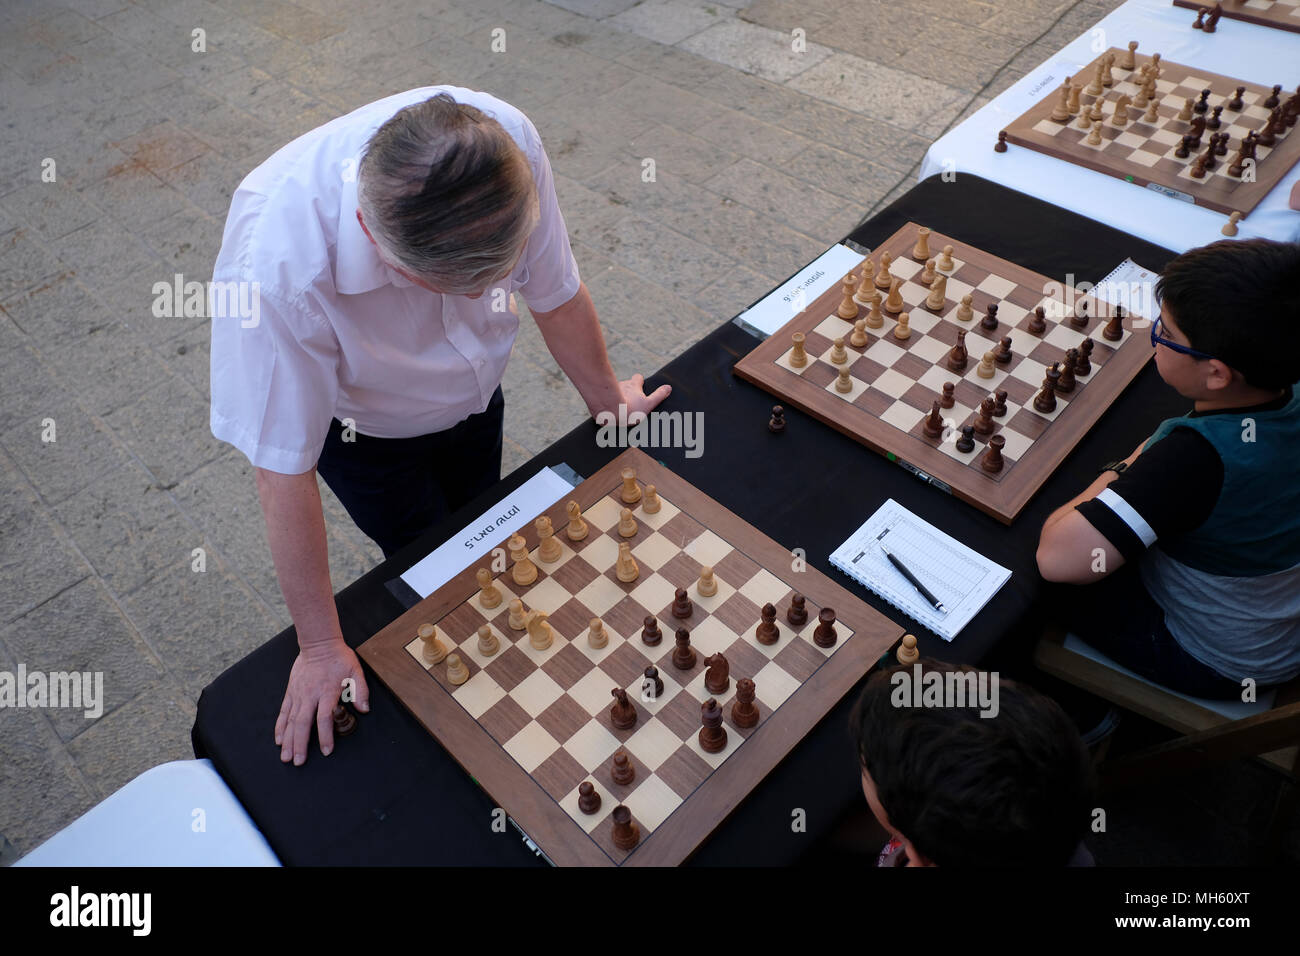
[(391, 794)]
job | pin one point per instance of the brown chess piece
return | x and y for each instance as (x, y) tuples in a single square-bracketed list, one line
[(797, 615), (1045, 401), (1000, 403), (626, 833), (990, 320), (1002, 354), (716, 678), (744, 712), (344, 721), (623, 713), (768, 632), (1082, 365), (682, 605), (683, 653), (1114, 330), (652, 685), (650, 633), (933, 424), (966, 443), (984, 418), (1065, 383), (957, 357), (713, 736), (1038, 323), (622, 772), (949, 397), (1080, 318), (992, 460), (588, 798), (1001, 145), (776, 424), (824, 635)]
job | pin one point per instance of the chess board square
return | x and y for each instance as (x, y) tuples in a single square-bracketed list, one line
[(1029, 372), (919, 399), (536, 692), (604, 514), (833, 327), (478, 693), (655, 591), (912, 366), (667, 511), (1144, 158), (866, 370), (708, 548), (626, 618), (873, 402), (463, 622), (605, 717), (592, 745), (559, 774), (563, 718), (949, 448), (601, 550), (546, 595), (921, 320), (619, 791), (989, 384), (714, 637), (885, 353), (738, 614), (588, 821), (509, 666), (996, 286), (913, 291), (572, 619), (643, 690), (653, 743), (893, 383), (1166, 137), (764, 586), (681, 530), (856, 388), (801, 658), (470, 649), (504, 719), (601, 595), (774, 686), (652, 551), (627, 664), (540, 657), (531, 746), (785, 363), (653, 802), (681, 715), (820, 373), (570, 665), (591, 692), (1064, 338), (1029, 423), (743, 658), (684, 772), (901, 415), (1131, 139), (574, 575), (682, 571), (735, 568), (1017, 444)]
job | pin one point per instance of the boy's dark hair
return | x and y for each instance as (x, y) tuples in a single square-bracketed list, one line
[(1240, 302), (1011, 790)]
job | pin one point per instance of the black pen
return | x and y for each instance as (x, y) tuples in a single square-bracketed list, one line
[(902, 568)]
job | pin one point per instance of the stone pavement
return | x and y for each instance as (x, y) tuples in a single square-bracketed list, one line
[(121, 143)]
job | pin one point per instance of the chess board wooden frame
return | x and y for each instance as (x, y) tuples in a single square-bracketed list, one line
[(1238, 10), (1213, 192), (515, 790), (1003, 499)]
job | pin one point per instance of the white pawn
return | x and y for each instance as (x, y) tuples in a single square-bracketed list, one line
[(964, 311), (985, 369), (901, 331), (487, 641), (596, 636), (548, 549), (433, 651), (489, 595)]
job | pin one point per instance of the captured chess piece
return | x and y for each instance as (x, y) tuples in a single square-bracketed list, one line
[(824, 634), (488, 644), (652, 685), (992, 460), (1001, 145), (767, 632), (683, 607), (744, 712), (457, 670), (626, 833), (776, 424), (1212, 21), (489, 595), (713, 736), (683, 653), (433, 651), (344, 721), (588, 798), (716, 678), (650, 633), (622, 714), (907, 652), (622, 771), (1230, 227), (577, 529), (797, 614)]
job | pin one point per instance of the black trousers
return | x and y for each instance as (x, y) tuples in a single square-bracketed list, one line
[(396, 488)]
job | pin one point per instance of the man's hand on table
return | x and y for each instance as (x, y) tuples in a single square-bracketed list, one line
[(635, 398), (315, 683)]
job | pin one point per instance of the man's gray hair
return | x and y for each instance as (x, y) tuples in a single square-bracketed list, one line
[(447, 194)]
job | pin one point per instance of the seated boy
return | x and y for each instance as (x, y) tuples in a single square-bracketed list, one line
[(954, 787), (1204, 517)]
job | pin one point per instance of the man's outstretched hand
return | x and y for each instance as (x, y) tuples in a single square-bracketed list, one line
[(635, 398), (315, 683)]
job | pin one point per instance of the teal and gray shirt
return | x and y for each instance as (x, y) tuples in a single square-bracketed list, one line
[(1211, 511)]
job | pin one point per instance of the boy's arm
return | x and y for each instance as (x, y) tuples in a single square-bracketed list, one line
[(1168, 489)]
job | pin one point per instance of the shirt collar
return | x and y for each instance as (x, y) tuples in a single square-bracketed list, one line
[(357, 266)]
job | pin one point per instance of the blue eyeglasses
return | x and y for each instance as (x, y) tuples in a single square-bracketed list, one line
[(1161, 340)]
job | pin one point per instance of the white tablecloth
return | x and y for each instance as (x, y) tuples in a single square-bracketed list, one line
[(1252, 53), (152, 822)]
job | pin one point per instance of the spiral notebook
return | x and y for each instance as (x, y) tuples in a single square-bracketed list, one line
[(963, 580)]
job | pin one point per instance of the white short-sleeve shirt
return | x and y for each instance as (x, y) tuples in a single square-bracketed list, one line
[(308, 324)]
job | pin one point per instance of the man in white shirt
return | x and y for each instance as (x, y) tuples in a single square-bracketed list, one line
[(362, 320)]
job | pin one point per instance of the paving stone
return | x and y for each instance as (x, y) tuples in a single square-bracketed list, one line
[(27, 386), (775, 194), (894, 96), (26, 263), (754, 49), (81, 450), (666, 21), (653, 251), (53, 209), (541, 403), (734, 292), (596, 8), (167, 429)]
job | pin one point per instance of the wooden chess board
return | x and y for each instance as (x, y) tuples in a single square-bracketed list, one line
[(1142, 152), (530, 726), (894, 383), (1283, 14)]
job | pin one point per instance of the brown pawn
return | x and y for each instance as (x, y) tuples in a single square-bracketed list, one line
[(623, 713), (1184, 148), (990, 320), (797, 615), (1080, 318), (1273, 99), (967, 440), (1198, 167), (683, 653), (1002, 354), (957, 357), (1038, 323), (623, 772), (682, 606), (949, 397), (713, 736), (588, 798), (1212, 23), (1001, 145), (776, 424), (652, 685), (1000, 403), (933, 424), (650, 633), (344, 722), (744, 712), (1203, 104), (992, 460), (1213, 122), (824, 635), (984, 418), (1114, 330), (1065, 384), (767, 631), (1045, 401), (1082, 365), (1236, 102), (717, 678), (1200, 18), (626, 833)]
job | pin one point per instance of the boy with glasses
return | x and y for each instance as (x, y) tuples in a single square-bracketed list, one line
[(1197, 533)]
